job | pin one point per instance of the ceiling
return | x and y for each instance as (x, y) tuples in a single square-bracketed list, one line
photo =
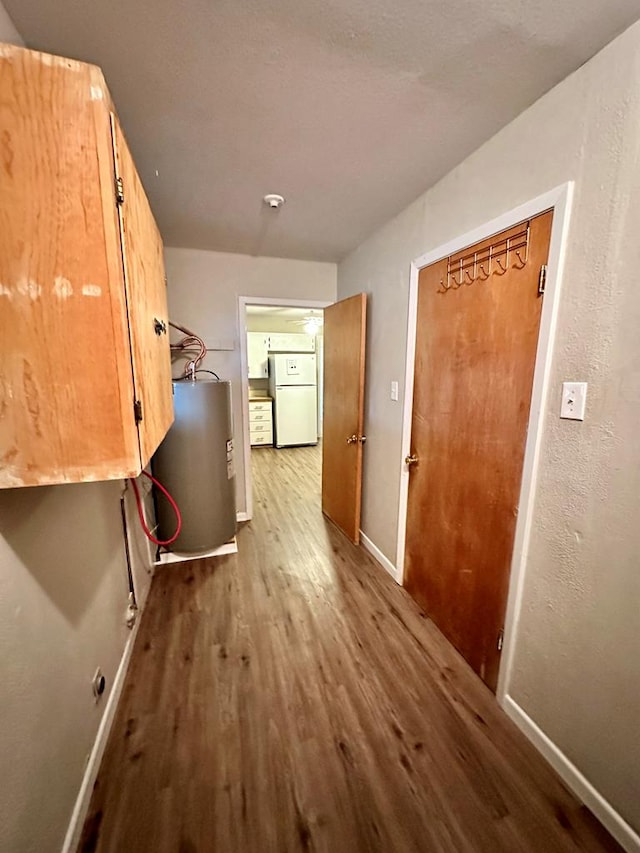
[(348, 108), (281, 318), (285, 312)]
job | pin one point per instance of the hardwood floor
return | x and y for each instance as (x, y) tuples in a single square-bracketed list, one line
[(291, 697)]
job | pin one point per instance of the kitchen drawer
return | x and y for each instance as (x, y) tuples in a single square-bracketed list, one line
[(261, 438), (260, 417), (262, 406), (260, 427)]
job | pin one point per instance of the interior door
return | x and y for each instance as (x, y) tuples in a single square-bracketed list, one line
[(343, 439), (146, 291), (477, 333)]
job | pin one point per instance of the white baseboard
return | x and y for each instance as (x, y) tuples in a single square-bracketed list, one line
[(573, 778), (243, 516), (377, 554), (83, 799)]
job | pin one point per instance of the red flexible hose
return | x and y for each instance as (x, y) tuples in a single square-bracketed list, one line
[(147, 532)]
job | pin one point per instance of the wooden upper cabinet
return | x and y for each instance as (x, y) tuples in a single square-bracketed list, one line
[(82, 305), (146, 289)]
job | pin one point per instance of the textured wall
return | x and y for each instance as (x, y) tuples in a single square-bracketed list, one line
[(63, 599), (8, 32), (577, 658), (203, 295)]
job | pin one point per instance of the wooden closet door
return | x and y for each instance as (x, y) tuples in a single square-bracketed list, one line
[(145, 286), (475, 357)]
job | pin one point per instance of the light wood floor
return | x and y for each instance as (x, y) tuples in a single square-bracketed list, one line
[(293, 698)]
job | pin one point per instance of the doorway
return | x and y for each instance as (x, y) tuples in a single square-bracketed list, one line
[(285, 368), (279, 331), (463, 280), (478, 320)]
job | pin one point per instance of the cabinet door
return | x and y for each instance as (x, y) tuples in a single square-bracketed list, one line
[(66, 389), (257, 355), (277, 343), (145, 287), (307, 343), (293, 342)]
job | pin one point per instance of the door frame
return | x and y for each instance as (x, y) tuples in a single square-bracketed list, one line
[(559, 199), (276, 302)]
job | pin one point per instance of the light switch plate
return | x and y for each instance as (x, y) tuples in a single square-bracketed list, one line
[(574, 399), (394, 391)]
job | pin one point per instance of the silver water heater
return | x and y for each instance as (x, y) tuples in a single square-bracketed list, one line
[(195, 464)]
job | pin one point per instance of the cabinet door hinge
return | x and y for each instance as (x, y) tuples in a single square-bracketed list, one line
[(500, 639), (119, 191), (542, 279), (137, 410)]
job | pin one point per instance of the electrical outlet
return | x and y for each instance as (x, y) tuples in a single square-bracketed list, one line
[(574, 399), (132, 611)]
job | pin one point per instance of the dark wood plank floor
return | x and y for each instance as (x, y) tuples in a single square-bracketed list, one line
[(293, 698)]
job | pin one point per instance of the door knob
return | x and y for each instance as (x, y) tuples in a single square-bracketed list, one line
[(352, 439), (411, 460)]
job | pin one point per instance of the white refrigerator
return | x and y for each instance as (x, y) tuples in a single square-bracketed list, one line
[(292, 384)]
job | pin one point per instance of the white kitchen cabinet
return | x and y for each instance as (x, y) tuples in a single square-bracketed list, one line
[(294, 342), (258, 355), (261, 421)]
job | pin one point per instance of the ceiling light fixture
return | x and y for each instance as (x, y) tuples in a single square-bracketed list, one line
[(312, 325), (273, 200)]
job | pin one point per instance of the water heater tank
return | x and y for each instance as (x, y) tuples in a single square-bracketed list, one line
[(195, 464)]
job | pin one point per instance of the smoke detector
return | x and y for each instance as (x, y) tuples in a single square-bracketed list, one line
[(273, 200)]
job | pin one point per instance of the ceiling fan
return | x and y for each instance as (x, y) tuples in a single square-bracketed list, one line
[(312, 322)]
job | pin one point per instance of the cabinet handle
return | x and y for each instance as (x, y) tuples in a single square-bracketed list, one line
[(159, 326)]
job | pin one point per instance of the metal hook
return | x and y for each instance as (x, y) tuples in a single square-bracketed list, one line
[(455, 284), (467, 269), (504, 267), (473, 277)]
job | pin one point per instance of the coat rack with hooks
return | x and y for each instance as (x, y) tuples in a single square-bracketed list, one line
[(495, 258)]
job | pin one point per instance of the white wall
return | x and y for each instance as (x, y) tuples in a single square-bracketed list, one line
[(63, 599), (203, 296), (577, 654)]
